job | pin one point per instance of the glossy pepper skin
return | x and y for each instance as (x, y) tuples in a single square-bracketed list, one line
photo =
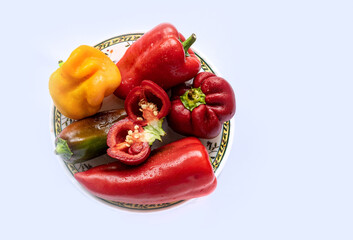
[(129, 140), (85, 139), (79, 86), (177, 171), (201, 109), (159, 56)]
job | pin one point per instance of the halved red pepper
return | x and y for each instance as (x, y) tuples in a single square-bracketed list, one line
[(177, 171), (147, 103), (201, 109), (129, 140), (161, 55), (128, 143)]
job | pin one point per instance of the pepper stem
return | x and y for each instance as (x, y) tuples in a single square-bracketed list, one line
[(193, 98), (188, 42), (154, 131), (63, 149)]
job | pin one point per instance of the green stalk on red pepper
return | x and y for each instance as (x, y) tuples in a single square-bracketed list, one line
[(200, 109)]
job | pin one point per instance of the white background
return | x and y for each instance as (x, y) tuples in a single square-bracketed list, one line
[(289, 174)]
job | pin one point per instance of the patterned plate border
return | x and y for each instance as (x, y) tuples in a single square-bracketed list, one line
[(217, 160)]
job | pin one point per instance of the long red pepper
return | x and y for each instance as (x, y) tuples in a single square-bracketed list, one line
[(177, 171)]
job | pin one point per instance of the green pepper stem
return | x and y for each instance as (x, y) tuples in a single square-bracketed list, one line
[(154, 131), (63, 149), (193, 98), (188, 42)]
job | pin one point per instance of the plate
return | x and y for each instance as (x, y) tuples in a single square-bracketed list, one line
[(218, 147)]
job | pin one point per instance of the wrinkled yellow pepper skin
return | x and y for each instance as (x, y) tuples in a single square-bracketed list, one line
[(79, 86)]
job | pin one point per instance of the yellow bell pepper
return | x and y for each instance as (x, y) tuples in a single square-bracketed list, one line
[(79, 86)]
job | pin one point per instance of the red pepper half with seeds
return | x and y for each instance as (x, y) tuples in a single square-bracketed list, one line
[(201, 109), (161, 55), (177, 171), (129, 140), (147, 103)]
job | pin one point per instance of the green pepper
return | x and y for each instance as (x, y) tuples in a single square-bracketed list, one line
[(87, 138)]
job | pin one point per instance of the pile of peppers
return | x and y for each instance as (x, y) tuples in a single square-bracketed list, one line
[(159, 63)]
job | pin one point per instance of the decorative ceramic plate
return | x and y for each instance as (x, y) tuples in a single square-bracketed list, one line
[(218, 147)]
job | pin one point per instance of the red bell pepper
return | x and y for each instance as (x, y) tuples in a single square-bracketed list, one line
[(160, 55), (129, 139), (201, 109), (177, 171)]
